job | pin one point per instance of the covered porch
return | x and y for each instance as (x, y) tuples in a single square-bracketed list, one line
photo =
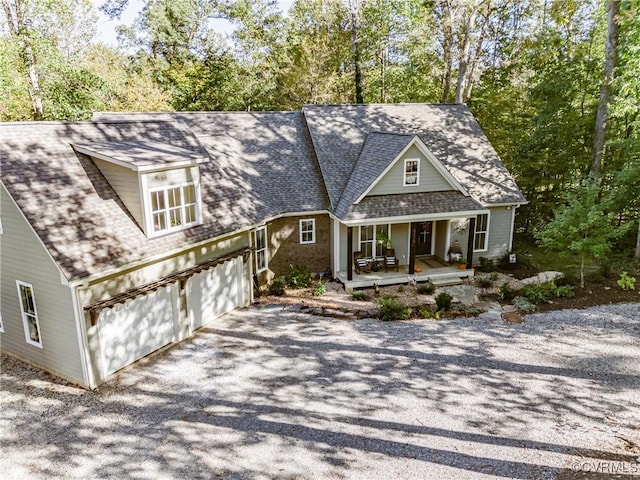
[(430, 269), (422, 249)]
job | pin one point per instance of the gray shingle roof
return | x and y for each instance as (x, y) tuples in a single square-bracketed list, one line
[(449, 131), (87, 229), (426, 203), (263, 162), (378, 151)]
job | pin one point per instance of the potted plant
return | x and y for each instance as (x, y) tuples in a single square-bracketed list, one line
[(455, 252), (462, 265), (383, 239)]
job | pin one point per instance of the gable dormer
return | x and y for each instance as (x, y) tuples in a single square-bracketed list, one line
[(158, 183), (414, 170)]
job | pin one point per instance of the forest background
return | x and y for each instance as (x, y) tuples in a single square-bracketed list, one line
[(555, 84)]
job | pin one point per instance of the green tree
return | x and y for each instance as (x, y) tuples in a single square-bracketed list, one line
[(584, 226)]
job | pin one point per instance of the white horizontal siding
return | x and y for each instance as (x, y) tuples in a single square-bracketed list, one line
[(125, 184), (430, 180), (24, 258), (499, 233)]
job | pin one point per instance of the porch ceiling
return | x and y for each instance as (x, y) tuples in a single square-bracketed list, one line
[(402, 205)]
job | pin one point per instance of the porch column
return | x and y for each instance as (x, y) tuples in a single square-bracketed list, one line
[(349, 253), (413, 246), (472, 234)]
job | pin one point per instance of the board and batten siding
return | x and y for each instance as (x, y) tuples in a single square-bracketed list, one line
[(24, 258), (126, 184), (429, 180)]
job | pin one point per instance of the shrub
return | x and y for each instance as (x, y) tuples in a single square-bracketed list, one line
[(523, 304), (425, 312), (320, 290), (359, 296), (462, 308), (626, 282), (506, 292), (443, 301), (400, 289), (567, 279), (494, 276), (484, 283), (392, 309), (605, 270), (565, 291), (541, 292), (426, 288), (299, 276), (486, 265), (277, 287)]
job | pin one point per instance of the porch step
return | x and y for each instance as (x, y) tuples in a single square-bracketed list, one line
[(446, 281)]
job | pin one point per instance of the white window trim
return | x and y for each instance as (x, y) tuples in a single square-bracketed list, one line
[(266, 248), (375, 239), (486, 232), (24, 315), (404, 173), (165, 189), (313, 231), (1, 324)]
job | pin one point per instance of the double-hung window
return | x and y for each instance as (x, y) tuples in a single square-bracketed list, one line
[(307, 230), (481, 236), (262, 254), (173, 207), (367, 240), (29, 314), (411, 171)]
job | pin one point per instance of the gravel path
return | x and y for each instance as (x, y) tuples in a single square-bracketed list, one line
[(272, 394)]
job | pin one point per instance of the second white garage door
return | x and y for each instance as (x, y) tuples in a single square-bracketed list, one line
[(214, 292)]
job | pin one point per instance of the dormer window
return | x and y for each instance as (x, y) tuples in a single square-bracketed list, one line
[(173, 208), (411, 172), (158, 183)]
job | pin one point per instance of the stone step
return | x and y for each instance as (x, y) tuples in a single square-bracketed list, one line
[(446, 281)]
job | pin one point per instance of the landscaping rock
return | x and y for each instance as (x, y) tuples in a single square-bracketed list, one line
[(465, 294), (512, 317), (509, 308), (543, 277)]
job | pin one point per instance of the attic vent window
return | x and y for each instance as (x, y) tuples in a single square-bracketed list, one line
[(411, 172), (173, 208)]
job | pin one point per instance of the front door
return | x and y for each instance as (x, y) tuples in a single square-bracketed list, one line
[(425, 235)]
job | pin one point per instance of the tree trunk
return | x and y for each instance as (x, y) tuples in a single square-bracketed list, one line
[(638, 242), (463, 61), (448, 18), (613, 7), (16, 20), (581, 272), (355, 13)]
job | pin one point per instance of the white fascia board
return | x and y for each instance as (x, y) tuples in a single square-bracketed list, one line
[(139, 168), (63, 278), (430, 156), (439, 166), (498, 205), (413, 218)]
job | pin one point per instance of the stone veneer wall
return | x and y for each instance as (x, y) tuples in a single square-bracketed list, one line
[(285, 248)]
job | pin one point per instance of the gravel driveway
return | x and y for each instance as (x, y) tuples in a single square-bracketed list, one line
[(272, 394)]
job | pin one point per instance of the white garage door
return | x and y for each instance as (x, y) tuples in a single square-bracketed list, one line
[(214, 292), (131, 330)]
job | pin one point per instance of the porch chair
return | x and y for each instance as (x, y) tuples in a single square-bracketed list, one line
[(360, 263), (390, 259)]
